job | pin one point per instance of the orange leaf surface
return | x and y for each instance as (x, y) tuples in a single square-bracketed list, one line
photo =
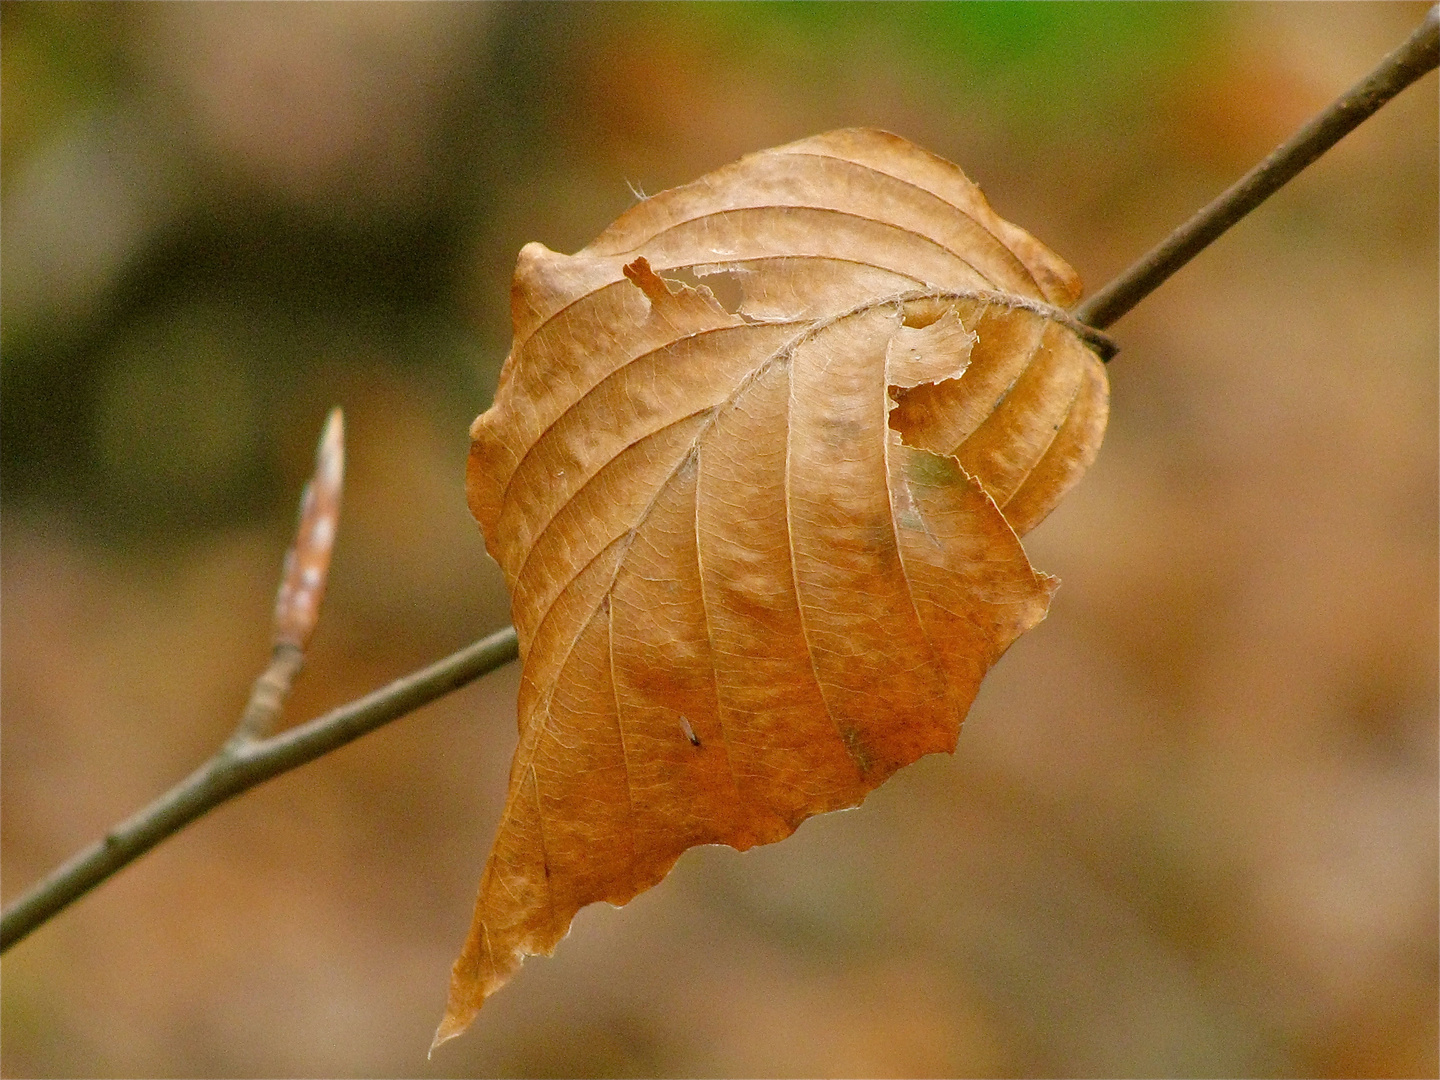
[(760, 558)]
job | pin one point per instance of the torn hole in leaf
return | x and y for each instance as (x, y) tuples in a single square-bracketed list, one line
[(921, 313), (685, 275), (931, 356), (722, 283), (727, 283), (673, 290), (935, 352)]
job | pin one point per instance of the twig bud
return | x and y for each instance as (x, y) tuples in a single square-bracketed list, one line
[(307, 563)]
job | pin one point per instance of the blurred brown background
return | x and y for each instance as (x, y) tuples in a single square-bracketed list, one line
[(1191, 827)]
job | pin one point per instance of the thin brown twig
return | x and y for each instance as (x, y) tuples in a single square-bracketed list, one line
[(249, 759), (297, 607), (1417, 56), (239, 766)]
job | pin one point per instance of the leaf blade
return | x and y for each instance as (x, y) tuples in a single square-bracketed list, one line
[(760, 559)]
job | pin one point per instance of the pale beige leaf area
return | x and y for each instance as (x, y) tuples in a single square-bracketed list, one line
[(760, 558)]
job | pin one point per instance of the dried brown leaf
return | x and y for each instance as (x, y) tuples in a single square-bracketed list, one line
[(760, 559)]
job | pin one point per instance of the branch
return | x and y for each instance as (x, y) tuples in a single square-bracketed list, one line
[(239, 766), (1419, 54), (248, 758)]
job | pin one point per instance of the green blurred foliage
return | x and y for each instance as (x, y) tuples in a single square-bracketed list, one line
[(126, 348), (58, 59), (1034, 61)]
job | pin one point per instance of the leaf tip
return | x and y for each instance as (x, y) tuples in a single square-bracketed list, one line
[(449, 1028)]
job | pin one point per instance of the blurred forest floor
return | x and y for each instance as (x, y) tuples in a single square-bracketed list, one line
[(1191, 826)]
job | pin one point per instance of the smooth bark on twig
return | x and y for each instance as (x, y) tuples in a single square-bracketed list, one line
[(247, 760), (1419, 55)]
